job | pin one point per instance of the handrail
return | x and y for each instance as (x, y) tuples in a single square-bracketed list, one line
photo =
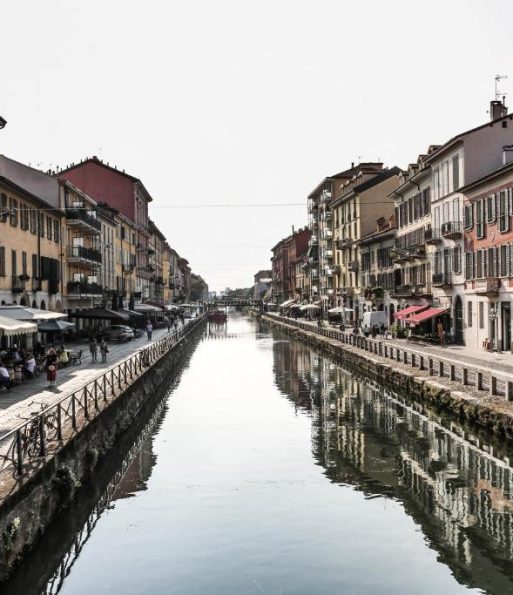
[(44, 432)]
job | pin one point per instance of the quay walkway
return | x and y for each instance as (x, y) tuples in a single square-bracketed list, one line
[(19, 402), (484, 376)]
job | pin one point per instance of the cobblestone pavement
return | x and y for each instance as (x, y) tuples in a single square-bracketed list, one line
[(17, 403)]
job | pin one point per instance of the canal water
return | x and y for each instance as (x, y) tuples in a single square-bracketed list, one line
[(269, 469)]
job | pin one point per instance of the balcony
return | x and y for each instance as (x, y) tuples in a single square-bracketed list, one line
[(353, 266), (328, 253), (344, 243), (432, 236), (489, 286), (84, 255), (442, 279), (79, 289), (328, 215), (313, 241), (404, 291), (452, 230), (414, 252), (326, 195), (328, 234), (313, 259), (80, 220), (36, 284), (18, 284)]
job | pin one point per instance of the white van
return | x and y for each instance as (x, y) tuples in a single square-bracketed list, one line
[(370, 319)]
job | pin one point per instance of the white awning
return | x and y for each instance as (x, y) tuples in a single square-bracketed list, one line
[(146, 308), (10, 327), (29, 314), (287, 303), (340, 310)]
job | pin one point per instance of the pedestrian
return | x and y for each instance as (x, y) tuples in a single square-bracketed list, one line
[(63, 355), (182, 320), (5, 378), (93, 349), (30, 365), (51, 362), (168, 325), (382, 329), (149, 330), (104, 349), (441, 334)]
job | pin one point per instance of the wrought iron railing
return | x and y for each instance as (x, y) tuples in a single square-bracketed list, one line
[(45, 433)]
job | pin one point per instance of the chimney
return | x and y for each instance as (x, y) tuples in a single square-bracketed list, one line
[(507, 154), (498, 109)]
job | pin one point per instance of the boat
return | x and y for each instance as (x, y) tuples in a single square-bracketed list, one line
[(217, 316)]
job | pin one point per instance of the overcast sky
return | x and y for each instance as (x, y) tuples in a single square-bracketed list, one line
[(241, 103)]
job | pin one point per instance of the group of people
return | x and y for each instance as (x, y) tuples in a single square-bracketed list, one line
[(101, 346), (25, 364)]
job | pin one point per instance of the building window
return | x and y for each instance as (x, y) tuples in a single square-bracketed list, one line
[(490, 208), (41, 225), (2, 261), (456, 260), (480, 224), (33, 221), (56, 231), (14, 263), (13, 205), (503, 214), (469, 314), (24, 263), (468, 222), (49, 227), (35, 268), (481, 314), (469, 265), (455, 172)]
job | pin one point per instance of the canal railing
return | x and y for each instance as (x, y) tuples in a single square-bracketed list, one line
[(24, 447), (478, 377)]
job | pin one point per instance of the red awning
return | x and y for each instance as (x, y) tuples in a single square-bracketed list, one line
[(426, 315), (402, 314)]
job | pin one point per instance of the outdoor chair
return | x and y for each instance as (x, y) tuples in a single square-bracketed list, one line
[(75, 358)]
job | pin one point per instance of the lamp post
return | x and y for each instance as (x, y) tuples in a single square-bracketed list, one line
[(493, 315)]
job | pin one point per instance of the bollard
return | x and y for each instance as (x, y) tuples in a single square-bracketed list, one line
[(440, 369), (464, 376), (430, 366), (452, 372), (493, 385), (509, 390), (479, 384)]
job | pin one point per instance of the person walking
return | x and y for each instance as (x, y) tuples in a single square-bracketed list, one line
[(168, 325), (149, 330), (104, 349), (51, 361), (93, 349)]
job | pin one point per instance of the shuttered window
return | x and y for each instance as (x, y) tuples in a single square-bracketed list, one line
[(503, 212), (468, 219), (2, 261), (490, 208), (469, 265), (480, 227)]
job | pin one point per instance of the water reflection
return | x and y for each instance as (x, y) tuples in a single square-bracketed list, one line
[(451, 483)]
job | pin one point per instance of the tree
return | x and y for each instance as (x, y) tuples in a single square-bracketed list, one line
[(198, 287)]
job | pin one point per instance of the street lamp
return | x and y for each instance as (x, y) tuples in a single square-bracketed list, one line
[(3, 122), (493, 315)]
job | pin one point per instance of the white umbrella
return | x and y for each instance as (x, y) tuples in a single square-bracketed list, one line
[(310, 307), (11, 327), (340, 310), (29, 314)]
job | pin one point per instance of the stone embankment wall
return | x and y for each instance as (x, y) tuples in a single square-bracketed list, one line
[(26, 513), (433, 393)]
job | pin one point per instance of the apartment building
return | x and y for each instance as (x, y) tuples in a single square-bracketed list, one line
[(412, 202), (377, 273), (359, 200), (31, 226), (83, 257), (156, 263), (285, 264), (127, 194), (488, 225), (125, 260), (462, 160)]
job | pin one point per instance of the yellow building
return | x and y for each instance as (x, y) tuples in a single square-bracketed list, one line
[(125, 265), (30, 249)]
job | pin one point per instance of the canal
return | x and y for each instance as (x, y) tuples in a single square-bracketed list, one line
[(269, 469)]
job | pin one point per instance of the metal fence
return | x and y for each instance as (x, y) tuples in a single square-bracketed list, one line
[(45, 433)]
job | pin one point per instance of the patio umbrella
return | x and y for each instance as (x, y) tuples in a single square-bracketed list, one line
[(29, 314), (55, 326), (340, 310), (310, 307), (100, 314), (10, 327)]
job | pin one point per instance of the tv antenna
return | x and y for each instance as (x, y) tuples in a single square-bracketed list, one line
[(498, 79)]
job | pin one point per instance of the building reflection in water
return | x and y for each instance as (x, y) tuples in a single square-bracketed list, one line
[(458, 489)]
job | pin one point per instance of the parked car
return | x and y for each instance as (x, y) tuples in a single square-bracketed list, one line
[(118, 332)]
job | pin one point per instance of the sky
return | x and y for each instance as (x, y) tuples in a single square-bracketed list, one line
[(246, 104)]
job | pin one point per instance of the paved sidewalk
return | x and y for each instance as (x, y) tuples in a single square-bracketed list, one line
[(20, 401), (498, 362)]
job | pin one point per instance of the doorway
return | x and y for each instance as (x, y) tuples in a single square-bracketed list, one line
[(506, 326)]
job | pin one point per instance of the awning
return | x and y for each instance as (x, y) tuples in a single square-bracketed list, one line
[(426, 315), (340, 310), (158, 305), (100, 314), (29, 314), (287, 303), (10, 327), (147, 308), (402, 314), (56, 326), (130, 312)]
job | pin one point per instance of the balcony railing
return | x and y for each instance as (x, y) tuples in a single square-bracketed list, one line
[(452, 229), (80, 218), (328, 253), (328, 215), (79, 288), (488, 286), (18, 284), (432, 236), (442, 279), (313, 241), (404, 290), (344, 243), (82, 253), (328, 234), (353, 266)]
